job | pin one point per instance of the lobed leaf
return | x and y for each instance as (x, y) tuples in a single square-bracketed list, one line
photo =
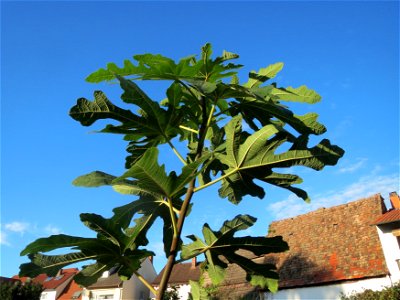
[(112, 247), (300, 94), (264, 74), (222, 247), (88, 112), (255, 158)]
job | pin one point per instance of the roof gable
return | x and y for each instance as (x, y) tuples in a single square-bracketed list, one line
[(181, 274), (111, 281)]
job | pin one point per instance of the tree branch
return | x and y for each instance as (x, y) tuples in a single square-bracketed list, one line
[(181, 219)]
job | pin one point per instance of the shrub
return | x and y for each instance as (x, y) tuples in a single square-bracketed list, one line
[(388, 293), (19, 291)]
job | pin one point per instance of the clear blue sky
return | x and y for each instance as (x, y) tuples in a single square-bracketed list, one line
[(347, 51)]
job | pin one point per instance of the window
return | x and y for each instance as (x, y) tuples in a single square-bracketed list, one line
[(76, 295), (106, 296), (141, 296)]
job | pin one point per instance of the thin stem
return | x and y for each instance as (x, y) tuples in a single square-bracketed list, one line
[(214, 181), (173, 216), (177, 153), (175, 210), (189, 129), (210, 116), (145, 282), (185, 206)]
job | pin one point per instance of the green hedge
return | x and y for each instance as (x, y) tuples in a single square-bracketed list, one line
[(20, 291), (388, 293)]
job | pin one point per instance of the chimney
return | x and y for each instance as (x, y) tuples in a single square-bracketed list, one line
[(394, 200), (194, 262), (151, 259)]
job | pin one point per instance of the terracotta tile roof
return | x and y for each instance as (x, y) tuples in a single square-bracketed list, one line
[(181, 274), (388, 217), (112, 281), (51, 283), (326, 245), (38, 279), (333, 244)]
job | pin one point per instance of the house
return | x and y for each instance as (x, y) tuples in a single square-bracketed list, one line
[(133, 288), (54, 287), (342, 249), (181, 275), (110, 286), (388, 226)]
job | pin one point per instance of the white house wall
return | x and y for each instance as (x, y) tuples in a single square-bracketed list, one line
[(134, 289), (48, 295), (182, 289), (391, 250), (330, 292), (97, 293)]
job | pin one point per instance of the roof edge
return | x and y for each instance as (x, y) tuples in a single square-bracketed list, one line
[(376, 197), (331, 282)]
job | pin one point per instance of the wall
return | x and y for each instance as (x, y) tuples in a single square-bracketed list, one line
[(97, 293), (330, 292), (48, 295), (391, 248), (134, 289), (183, 292)]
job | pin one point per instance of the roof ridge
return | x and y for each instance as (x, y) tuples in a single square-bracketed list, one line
[(374, 197)]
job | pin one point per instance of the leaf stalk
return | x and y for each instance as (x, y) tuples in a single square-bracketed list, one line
[(189, 129), (173, 216), (145, 282), (215, 180), (177, 153)]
